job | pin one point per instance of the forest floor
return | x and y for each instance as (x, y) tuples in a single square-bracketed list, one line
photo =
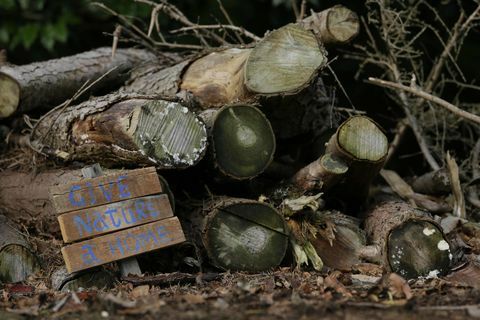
[(282, 294)]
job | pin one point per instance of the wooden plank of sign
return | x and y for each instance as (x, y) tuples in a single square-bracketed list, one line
[(86, 223), (98, 191), (122, 244)]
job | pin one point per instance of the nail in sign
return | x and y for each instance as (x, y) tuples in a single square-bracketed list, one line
[(121, 215)]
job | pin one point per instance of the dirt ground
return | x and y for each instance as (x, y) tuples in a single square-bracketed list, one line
[(282, 294)]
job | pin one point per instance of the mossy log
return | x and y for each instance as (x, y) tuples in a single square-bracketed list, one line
[(408, 240), (241, 140), (362, 145), (124, 129), (339, 240), (17, 261), (43, 85), (240, 234), (284, 62)]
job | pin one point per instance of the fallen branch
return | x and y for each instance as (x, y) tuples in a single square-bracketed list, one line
[(427, 96)]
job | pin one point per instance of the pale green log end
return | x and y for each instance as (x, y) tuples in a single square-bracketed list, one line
[(362, 138), (246, 237), (9, 96), (285, 61), (17, 263), (243, 141)]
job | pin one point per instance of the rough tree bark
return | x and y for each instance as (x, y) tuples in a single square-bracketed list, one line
[(241, 139), (240, 234), (408, 240), (339, 240), (124, 129), (43, 85)]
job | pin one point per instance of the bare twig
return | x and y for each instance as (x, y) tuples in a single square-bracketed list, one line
[(219, 26), (427, 96), (230, 21)]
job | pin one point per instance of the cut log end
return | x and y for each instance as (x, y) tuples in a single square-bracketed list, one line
[(342, 24), (217, 79), (285, 61), (243, 141), (418, 248), (363, 139), (9, 96), (17, 263), (168, 133), (247, 236)]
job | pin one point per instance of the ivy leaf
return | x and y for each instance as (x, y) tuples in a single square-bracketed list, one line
[(26, 35), (48, 37)]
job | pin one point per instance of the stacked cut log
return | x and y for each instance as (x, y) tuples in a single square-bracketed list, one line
[(42, 85), (230, 107)]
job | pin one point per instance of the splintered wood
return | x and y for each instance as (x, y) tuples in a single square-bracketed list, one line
[(123, 214)]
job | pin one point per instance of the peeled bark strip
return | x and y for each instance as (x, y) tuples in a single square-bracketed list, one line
[(243, 235), (363, 146), (242, 142), (337, 25), (124, 129), (410, 242), (434, 183), (17, 261), (321, 174), (46, 84), (339, 240)]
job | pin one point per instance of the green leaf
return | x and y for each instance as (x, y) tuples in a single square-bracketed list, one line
[(4, 35), (26, 35), (48, 37), (7, 4), (60, 31)]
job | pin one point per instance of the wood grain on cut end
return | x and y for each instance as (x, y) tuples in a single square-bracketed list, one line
[(17, 263), (218, 78), (343, 24), (285, 61), (418, 248), (333, 164), (9, 96), (243, 141), (362, 138), (245, 235), (169, 134)]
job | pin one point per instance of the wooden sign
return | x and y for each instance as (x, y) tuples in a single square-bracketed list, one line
[(105, 189), (122, 244), (121, 215), (83, 224)]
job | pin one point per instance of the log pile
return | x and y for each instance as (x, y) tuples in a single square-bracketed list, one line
[(210, 122)]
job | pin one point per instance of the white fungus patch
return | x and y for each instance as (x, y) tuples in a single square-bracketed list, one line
[(428, 232), (433, 274), (443, 245)]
